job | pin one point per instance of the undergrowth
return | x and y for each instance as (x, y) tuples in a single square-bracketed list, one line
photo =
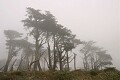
[(106, 74)]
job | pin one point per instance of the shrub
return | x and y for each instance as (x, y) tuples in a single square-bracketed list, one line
[(110, 69), (63, 76), (93, 72)]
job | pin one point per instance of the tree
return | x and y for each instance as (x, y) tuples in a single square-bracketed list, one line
[(75, 61), (2, 63), (65, 42), (38, 23), (104, 59), (45, 30), (50, 28), (99, 58), (27, 52), (86, 49), (12, 48), (94, 57), (34, 22)]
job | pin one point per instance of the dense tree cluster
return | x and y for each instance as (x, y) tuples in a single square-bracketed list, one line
[(94, 56), (52, 46)]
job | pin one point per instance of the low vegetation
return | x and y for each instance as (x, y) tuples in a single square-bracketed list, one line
[(106, 74)]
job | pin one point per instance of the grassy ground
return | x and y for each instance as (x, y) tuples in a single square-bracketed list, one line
[(107, 74)]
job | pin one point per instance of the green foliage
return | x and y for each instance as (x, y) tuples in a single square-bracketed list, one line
[(11, 34), (62, 75), (4, 76), (18, 73), (93, 72), (110, 69)]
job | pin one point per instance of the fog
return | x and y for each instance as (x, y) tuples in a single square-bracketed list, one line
[(97, 20)]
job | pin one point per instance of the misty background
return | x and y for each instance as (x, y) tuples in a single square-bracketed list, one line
[(97, 20)]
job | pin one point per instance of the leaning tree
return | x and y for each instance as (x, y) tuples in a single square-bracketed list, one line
[(37, 23), (45, 30), (94, 57), (13, 49)]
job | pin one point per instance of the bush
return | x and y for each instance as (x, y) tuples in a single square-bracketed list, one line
[(18, 73), (63, 76), (110, 69), (93, 72)]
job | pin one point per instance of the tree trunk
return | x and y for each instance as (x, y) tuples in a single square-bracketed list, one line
[(74, 61), (36, 55), (49, 57), (39, 66), (67, 61), (27, 62), (44, 64), (19, 66), (9, 58), (55, 61), (86, 63), (11, 69), (7, 62), (60, 62), (92, 63), (6, 65)]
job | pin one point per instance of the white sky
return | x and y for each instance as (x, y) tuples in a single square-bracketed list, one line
[(97, 20)]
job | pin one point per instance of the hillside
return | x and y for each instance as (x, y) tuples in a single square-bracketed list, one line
[(106, 74)]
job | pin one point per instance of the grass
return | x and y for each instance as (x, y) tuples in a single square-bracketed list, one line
[(106, 74)]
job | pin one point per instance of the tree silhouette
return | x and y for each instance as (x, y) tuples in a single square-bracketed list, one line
[(94, 57), (39, 24), (13, 49)]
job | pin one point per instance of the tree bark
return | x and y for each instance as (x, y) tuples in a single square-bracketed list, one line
[(74, 61), (36, 54), (11, 69), (49, 57), (67, 60), (54, 52), (60, 58), (8, 61)]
